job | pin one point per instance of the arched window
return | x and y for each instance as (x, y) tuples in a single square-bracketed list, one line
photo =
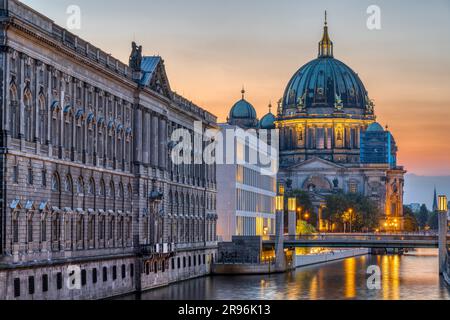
[(68, 124), (121, 191), (28, 116), (80, 186), (91, 229), (43, 118), (111, 190), (102, 191), (56, 124), (120, 229), (102, 227), (55, 183), (14, 121), (130, 192), (68, 184), (91, 188), (80, 229)]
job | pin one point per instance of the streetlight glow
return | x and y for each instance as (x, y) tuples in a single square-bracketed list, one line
[(279, 203), (292, 204), (443, 204)]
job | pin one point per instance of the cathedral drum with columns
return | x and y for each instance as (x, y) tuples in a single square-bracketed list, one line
[(91, 205), (330, 140)]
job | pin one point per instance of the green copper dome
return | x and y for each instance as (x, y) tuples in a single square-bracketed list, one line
[(243, 114)]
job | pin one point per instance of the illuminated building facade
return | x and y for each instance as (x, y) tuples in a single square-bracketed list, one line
[(329, 138), (247, 189)]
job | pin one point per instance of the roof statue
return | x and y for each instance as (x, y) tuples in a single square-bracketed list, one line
[(135, 57)]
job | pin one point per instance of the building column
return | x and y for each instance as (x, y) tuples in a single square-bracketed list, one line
[(443, 229), (280, 262)]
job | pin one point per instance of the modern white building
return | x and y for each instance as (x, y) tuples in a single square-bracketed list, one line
[(246, 187)]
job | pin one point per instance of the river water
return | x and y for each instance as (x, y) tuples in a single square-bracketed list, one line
[(412, 276)]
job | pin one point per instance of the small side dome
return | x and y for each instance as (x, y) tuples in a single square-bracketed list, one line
[(242, 110), (268, 121), (243, 114), (375, 127)]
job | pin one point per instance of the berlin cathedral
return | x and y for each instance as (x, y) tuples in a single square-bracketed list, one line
[(329, 138)]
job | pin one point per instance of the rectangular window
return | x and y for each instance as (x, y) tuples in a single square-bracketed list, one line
[(44, 283), (44, 178), (178, 263), (31, 285), (114, 273), (16, 231), (124, 272), (16, 174), (59, 281), (16, 287), (105, 274), (173, 263), (83, 277), (30, 176), (44, 230), (30, 230), (94, 275), (131, 270), (320, 138)]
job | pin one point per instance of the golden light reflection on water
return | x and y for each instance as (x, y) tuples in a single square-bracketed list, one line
[(313, 288), (410, 277), (350, 278)]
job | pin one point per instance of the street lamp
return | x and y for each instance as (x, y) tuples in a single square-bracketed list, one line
[(292, 204), (292, 216), (279, 203), (443, 204), (443, 229)]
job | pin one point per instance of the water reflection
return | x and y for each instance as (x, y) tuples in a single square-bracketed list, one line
[(403, 277)]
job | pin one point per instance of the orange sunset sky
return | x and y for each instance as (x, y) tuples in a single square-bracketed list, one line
[(211, 48)]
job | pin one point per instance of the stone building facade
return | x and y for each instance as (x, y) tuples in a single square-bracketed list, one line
[(86, 173)]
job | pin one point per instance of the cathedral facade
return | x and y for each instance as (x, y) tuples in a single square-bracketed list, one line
[(330, 140), (87, 179)]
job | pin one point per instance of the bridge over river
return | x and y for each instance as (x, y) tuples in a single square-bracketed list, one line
[(394, 241)]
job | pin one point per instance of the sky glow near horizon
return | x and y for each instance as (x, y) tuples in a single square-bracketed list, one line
[(212, 48)]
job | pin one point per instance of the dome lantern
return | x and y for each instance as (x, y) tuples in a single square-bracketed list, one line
[(325, 45)]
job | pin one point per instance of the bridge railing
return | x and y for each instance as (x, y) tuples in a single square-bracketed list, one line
[(359, 237)]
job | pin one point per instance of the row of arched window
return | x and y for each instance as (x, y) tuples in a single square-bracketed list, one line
[(108, 140), (183, 204), (67, 186)]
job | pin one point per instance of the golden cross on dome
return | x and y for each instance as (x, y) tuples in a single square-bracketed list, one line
[(243, 92)]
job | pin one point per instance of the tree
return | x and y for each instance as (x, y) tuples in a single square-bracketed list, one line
[(358, 212), (410, 222), (433, 221), (422, 217), (303, 228)]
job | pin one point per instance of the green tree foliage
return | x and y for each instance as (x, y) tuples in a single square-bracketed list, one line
[(303, 228), (422, 217), (433, 221), (355, 210), (410, 221)]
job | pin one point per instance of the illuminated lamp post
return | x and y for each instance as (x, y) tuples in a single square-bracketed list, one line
[(292, 216), (280, 261), (443, 229)]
